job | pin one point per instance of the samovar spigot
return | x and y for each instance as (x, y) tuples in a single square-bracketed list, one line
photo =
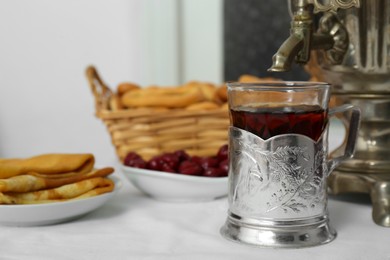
[(330, 34), (297, 46)]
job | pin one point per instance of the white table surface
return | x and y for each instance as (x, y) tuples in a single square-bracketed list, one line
[(134, 226)]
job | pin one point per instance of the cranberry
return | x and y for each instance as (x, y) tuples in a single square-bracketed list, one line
[(223, 152), (133, 159), (190, 168), (166, 168), (209, 162), (171, 160), (131, 156), (182, 155), (214, 172), (224, 165), (180, 162), (196, 159), (140, 163), (155, 163)]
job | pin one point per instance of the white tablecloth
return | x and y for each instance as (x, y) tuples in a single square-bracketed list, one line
[(134, 226)]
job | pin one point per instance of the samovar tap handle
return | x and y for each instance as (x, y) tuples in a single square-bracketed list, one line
[(302, 38)]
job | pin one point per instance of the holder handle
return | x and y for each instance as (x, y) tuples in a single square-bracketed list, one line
[(352, 134)]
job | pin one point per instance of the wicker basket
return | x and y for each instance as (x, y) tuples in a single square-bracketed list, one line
[(151, 132)]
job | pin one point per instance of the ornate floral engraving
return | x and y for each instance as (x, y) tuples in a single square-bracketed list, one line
[(333, 5), (286, 177)]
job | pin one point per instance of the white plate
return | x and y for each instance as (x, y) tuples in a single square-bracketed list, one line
[(53, 213), (176, 187)]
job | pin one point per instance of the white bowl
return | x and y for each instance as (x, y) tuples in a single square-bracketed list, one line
[(176, 187)]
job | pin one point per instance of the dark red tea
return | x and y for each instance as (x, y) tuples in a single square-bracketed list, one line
[(266, 122)]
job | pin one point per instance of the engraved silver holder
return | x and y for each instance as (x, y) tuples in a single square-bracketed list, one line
[(277, 187)]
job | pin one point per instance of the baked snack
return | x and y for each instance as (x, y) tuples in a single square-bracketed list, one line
[(50, 165), (205, 105), (173, 97), (124, 87), (34, 181), (82, 189), (251, 78), (193, 95), (208, 90), (52, 177), (222, 93)]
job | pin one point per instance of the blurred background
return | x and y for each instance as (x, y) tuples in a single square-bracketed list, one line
[(45, 102)]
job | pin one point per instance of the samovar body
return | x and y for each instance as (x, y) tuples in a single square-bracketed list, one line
[(362, 78), (347, 43)]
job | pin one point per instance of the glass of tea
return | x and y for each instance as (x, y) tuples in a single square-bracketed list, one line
[(278, 152)]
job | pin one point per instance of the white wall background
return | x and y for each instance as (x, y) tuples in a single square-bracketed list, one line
[(45, 46)]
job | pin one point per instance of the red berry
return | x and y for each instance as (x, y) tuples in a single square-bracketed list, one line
[(131, 156), (155, 163), (190, 168), (224, 166), (166, 168), (182, 155), (180, 162), (171, 160), (139, 163), (214, 172), (209, 162), (223, 152), (133, 159), (196, 159)]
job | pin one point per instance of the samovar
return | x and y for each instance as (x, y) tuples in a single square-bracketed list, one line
[(347, 43)]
